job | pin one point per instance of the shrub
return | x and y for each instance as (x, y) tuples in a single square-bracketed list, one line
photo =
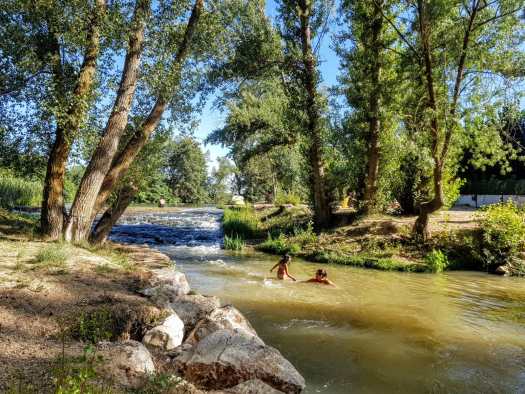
[(283, 198), (233, 243), (16, 191), (80, 375), (279, 245), (304, 236), (95, 326), (503, 233), (241, 222), (437, 261)]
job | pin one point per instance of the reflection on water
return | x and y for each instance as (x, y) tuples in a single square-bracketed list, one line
[(377, 332)]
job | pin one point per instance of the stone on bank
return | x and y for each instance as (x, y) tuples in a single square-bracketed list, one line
[(166, 336)]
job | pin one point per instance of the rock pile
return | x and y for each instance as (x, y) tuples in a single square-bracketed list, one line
[(211, 346)]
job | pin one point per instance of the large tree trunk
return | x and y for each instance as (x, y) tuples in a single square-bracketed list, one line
[(125, 158), (373, 154), (322, 211), (52, 213), (80, 218), (103, 227)]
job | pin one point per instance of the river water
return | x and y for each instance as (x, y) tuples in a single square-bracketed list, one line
[(376, 332)]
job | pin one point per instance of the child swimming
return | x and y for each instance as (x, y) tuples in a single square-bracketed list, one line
[(321, 276), (282, 271)]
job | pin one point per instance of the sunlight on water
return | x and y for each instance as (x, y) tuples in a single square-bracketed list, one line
[(377, 332)]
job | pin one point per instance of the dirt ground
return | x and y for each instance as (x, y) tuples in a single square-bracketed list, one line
[(45, 287)]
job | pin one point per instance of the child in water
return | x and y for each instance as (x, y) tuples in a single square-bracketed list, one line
[(282, 271), (321, 276)]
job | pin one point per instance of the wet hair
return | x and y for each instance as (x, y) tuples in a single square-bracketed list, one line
[(322, 273), (287, 258)]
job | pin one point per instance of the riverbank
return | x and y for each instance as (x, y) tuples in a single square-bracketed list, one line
[(380, 242), (120, 319)]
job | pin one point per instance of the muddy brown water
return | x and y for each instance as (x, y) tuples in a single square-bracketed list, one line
[(376, 332)]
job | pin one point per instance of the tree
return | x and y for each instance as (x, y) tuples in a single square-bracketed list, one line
[(146, 175), (81, 214), (368, 61), (187, 172), (447, 43), (220, 181), (301, 20)]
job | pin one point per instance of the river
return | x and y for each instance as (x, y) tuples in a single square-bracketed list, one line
[(376, 332)]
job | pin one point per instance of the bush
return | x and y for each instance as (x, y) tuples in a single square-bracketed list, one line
[(233, 243), (16, 191), (241, 223), (283, 198), (279, 245), (503, 234), (305, 236), (437, 261)]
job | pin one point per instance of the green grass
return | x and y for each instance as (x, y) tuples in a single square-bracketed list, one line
[(233, 243), (279, 245), (241, 223), (53, 257), (16, 191)]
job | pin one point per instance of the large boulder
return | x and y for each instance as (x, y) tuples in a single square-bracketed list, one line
[(227, 358), (254, 386), (192, 308), (166, 336), (127, 363), (171, 278), (227, 317)]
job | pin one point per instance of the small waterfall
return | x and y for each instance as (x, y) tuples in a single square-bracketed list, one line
[(189, 233)]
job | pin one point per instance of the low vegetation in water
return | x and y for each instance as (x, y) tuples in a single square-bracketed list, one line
[(240, 222), (233, 243), (437, 261)]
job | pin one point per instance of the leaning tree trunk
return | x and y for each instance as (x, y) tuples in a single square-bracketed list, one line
[(103, 227), (52, 213), (373, 154), (421, 226), (322, 212), (80, 218), (125, 158)]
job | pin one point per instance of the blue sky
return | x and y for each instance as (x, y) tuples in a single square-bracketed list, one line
[(212, 119)]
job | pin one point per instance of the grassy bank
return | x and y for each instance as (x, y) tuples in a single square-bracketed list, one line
[(59, 300), (385, 242)]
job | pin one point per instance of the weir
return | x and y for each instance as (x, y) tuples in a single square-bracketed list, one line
[(376, 332)]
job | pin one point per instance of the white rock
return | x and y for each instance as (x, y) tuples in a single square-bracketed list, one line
[(227, 317), (170, 277), (127, 363), (166, 336), (227, 358), (192, 308)]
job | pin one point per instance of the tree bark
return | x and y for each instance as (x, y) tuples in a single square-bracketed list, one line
[(101, 232), (125, 158), (52, 213), (80, 218), (374, 153), (322, 212)]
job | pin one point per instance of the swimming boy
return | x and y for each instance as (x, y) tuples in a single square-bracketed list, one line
[(282, 271), (321, 276)]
